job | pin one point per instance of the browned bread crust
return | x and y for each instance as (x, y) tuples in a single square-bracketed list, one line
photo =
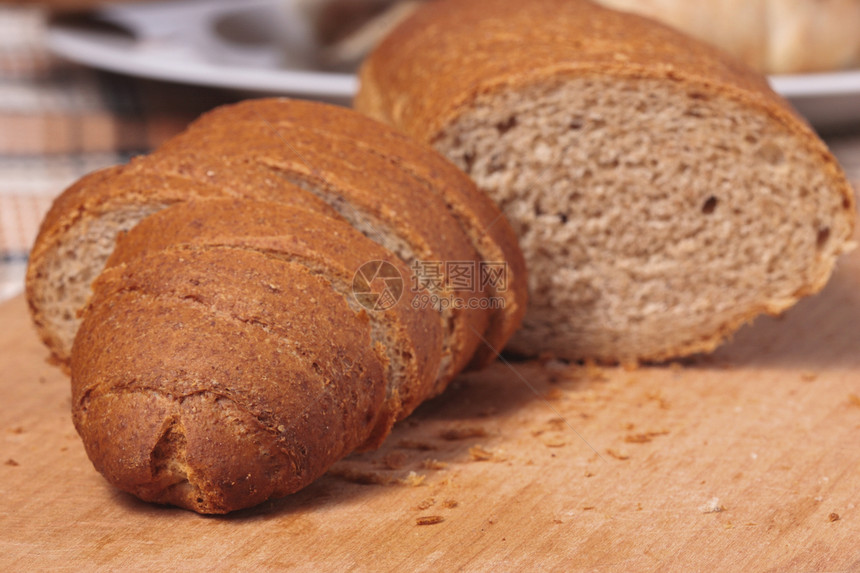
[(435, 62), (490, 235)]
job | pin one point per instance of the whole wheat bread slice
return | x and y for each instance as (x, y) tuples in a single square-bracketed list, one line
[(662, 193)]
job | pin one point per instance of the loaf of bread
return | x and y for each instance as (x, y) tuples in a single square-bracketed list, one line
[(773, 36), (245, 306), (662, 193)]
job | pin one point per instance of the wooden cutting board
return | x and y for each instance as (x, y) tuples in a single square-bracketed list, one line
[(748, 460)]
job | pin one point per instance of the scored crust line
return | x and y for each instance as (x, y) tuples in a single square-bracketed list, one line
[(307, 164), (531, 387), (486, 230)]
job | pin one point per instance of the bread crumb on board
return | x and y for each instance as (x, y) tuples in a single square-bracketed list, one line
[(454, 434), (657, 396), (833, 517), (553, 424), (481, 454), (433, 464), (644, 437), (448, 481), (712, 506), (450, 503), (413, 479), (429, 520), (11, 462), (426, 503), (618, 455), (554, 441)]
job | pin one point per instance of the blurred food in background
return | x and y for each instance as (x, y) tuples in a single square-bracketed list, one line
[(346, 30), (773, 36)]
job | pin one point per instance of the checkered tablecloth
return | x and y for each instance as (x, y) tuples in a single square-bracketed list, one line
[(59, 121)]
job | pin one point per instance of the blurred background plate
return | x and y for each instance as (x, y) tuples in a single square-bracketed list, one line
[(263, 46), (828, 100), (268, 47)]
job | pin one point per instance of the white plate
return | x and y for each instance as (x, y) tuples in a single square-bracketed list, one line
[(266, 46), (261, 46)]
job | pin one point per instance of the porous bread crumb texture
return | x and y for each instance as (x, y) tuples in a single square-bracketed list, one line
[(656, 217), (61, 281)]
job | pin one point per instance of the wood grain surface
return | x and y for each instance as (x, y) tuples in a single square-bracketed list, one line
[(747, 460)]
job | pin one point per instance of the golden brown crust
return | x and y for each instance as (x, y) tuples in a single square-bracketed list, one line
[(490, 234), (194, 352), (294, 233), (233, 328), (437, 60), (394, 203)]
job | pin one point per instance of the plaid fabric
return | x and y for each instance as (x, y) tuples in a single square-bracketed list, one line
[(59, 121)]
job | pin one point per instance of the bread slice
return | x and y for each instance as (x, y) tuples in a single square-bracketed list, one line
[(662, 193), (392, 209), (401, 212), (411, 335), (491, 236), (77, 236)]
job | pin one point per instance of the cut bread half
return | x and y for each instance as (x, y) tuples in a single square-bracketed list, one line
[(663, 195)]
